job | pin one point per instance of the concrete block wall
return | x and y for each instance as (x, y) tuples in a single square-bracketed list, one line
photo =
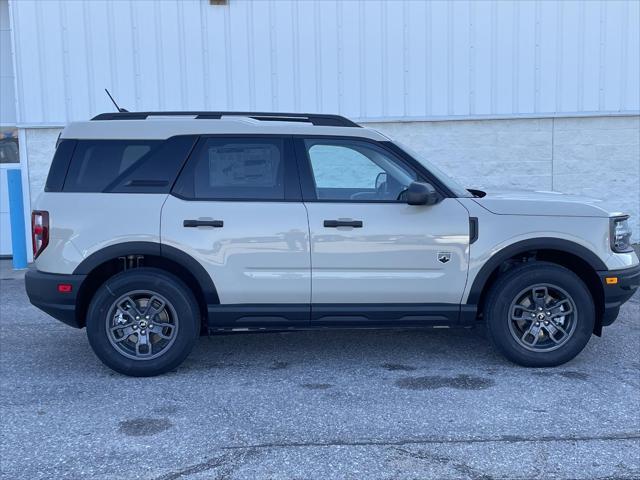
[(491, 154), (40, 146), (600, 157), (594, 156)]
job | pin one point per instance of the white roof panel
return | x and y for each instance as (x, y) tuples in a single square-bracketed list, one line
[(164, 127)]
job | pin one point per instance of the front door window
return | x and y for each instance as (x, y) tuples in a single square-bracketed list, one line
[(356, 171)]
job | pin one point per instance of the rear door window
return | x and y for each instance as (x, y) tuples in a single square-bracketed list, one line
[(235, 169), (97, 163)]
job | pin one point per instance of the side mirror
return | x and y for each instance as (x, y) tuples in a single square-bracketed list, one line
[(381, 179), (419, 193)]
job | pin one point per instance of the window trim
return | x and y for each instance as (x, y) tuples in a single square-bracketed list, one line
[(395, 153), (291, 178)]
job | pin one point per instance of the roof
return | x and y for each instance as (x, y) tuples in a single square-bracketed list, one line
[(162, 125)]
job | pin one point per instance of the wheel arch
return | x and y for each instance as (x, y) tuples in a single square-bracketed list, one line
[(103, 264), (566, 253)]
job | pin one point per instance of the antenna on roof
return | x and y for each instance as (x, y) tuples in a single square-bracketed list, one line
[(114, 102)]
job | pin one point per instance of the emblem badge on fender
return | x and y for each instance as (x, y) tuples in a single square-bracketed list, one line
[(444, 257)]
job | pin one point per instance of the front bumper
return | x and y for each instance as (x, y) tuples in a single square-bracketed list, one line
[(42, 290), (615, 294)]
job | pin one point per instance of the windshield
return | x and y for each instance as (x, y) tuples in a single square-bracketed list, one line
[(457, 189)]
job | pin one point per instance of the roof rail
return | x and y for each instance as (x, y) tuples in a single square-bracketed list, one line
[(313, 118)]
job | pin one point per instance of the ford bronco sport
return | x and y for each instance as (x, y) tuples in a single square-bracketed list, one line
[(157, 227)]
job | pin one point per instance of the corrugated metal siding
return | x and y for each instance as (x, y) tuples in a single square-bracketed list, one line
[(7, 80), (369, 60)]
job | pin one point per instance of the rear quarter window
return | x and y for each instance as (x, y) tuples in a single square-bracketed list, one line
[(95, 164), (60, 165)]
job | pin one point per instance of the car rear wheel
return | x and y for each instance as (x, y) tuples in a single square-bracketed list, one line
[(143, 322), (539, 314)]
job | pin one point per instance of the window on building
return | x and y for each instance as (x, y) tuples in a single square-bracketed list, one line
[(9, 146)]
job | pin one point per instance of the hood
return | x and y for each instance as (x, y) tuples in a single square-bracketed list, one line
[(543, 203)]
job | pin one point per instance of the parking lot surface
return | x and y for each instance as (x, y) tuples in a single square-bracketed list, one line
[(316, 405)]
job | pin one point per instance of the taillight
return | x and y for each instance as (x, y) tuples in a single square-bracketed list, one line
[(39, 231)]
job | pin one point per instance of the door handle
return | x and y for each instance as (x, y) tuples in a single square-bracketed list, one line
[(203, 223), (343, 223)]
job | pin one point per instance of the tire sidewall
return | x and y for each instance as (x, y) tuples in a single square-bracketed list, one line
[(505, 291), (154, 280)]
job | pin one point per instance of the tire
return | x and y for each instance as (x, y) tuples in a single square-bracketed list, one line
[(518, 294), (120, 328)]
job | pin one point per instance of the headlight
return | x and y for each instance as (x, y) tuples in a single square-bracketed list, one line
[(620, 234)]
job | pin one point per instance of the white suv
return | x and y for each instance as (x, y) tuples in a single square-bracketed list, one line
[(157, 227)]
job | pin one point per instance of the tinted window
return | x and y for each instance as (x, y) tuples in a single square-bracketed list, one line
[(357, 171), (234, 168), (97, 163), (156, 172), (59, 165)]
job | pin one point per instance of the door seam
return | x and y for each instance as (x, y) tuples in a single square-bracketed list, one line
[(310, 259), (160, 222)]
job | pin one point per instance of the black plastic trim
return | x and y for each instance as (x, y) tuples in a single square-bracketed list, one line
[(258, 315), (358, 315), (468, 314), (115, 251), (42, 290), (473, 229), (146, 183), (381, 315), (342, 223), (609, 316), (151, 248), (196, 269), (619, 293), (203, 223), (542, 243)]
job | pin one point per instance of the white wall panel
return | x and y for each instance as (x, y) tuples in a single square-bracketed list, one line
[(7, 78), (369, 59)]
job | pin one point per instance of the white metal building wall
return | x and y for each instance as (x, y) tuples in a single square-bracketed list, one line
[(7, 80), (369, 60)]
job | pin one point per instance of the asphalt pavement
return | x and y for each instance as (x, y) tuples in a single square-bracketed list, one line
[(316, 405)]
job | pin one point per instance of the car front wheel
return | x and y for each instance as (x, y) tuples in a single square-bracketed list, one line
[(539, 314)]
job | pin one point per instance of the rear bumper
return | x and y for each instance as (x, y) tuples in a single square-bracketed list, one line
[(615, 294), (42, 289)]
